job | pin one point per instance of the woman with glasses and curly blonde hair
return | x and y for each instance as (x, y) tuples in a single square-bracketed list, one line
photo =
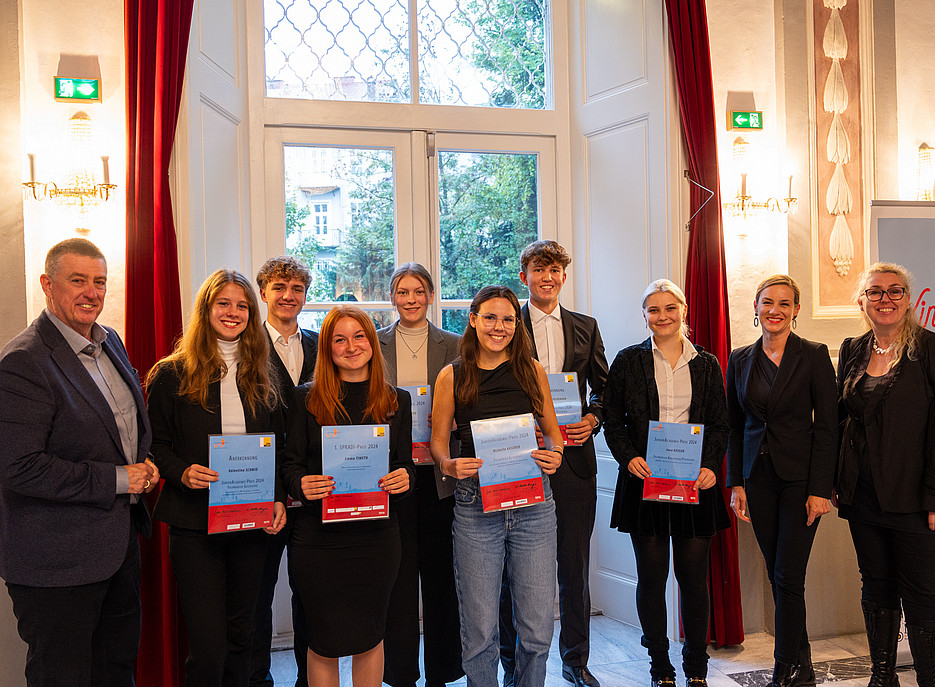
[(885, 481)]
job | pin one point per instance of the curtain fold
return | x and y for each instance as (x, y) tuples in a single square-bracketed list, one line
[(706, 274), (157, 33)]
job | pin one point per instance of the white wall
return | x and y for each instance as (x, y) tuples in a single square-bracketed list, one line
[(74, 36), (12, 274)]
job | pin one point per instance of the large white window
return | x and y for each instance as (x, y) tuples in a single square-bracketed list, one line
[(409, 130), (487, 53)]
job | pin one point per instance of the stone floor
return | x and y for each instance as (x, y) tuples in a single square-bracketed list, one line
[(618, 660)]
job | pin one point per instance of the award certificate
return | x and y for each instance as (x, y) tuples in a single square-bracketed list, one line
[(242, 498), (509, 477), (356, 456), (421, 433), (564, 390), (673, 454)]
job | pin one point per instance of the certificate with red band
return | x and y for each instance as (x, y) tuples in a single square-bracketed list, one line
[(673, 453), (356, 456), (563, 387), (242, 498), (509, 477), (421, 432)]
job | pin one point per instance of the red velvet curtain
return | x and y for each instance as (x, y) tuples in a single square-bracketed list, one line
[(706, 275), (156, 46)]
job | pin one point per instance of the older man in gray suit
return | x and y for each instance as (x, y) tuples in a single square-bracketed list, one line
[(74, 436)]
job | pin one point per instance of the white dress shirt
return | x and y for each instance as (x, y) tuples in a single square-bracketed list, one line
[(290, 351), (674, 385), (549, 338)]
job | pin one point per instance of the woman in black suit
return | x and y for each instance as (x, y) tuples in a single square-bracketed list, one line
[(667, 379), (216, 381), (780, 457), (885, 481), (415, 351)]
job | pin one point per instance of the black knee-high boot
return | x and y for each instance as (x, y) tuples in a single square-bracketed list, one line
[(882, 635), (922, 645)]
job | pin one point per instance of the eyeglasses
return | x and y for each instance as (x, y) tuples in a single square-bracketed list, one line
[(895, 293), (490, 320)]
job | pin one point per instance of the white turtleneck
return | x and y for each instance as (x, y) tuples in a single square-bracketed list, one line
[(232, 417)]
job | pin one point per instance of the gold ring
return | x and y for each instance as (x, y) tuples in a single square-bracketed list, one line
[(146, 486)]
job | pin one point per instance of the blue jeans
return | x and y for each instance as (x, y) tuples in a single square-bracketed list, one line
[(524, 540)]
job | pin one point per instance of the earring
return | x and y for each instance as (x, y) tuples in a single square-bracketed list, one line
[(793, 322), (756, 321)]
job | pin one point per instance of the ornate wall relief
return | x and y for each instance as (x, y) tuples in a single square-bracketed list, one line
[(838, 232)]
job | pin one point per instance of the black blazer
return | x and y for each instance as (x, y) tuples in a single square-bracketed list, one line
[(800, 426), (180, 439), (62, 522), (442, 349), (631, 401), (897, 426), (310, 351), (584, 354)]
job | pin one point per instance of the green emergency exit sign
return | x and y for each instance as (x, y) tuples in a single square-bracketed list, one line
[(744, 119), (69, 89)]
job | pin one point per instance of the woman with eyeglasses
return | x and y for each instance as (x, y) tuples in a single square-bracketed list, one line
[(415, 351), (496, 376), (781, 402), (885, 482)]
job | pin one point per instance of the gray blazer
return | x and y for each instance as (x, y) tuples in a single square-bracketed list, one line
[(61, 522), (442, 349)]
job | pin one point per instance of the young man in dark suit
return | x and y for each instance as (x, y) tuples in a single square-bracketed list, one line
[(74, 440), (565, 341), (283, 283)]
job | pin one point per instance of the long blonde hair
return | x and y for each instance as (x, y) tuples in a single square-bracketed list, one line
[(907, 336), (198, 361), (324, 398)]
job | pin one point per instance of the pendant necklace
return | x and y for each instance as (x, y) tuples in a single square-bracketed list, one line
[(415, 353)]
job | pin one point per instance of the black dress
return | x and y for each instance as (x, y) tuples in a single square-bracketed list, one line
[(630, 402), (344, 571)]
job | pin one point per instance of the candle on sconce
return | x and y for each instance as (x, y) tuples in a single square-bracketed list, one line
[(105, 159), (32, 168), (789, 194), (743, 185)]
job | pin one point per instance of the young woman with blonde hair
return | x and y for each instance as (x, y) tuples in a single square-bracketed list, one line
[(665, 378)]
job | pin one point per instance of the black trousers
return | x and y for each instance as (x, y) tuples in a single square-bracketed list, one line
[(218, 578), (260, 675), (82, 636), (425, 534), (575, 506), (690, 558), (895, 566), (777, 510)]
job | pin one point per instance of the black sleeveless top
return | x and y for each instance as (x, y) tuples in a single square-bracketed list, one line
[(498, 393)]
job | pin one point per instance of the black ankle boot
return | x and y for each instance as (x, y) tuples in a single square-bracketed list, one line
[(922, 644), (803, 675), (782, 674), (660, 667), (882, 634)]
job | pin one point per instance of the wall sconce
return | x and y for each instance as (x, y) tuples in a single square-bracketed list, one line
[(925, 188), (743, 204), (79, 188)]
